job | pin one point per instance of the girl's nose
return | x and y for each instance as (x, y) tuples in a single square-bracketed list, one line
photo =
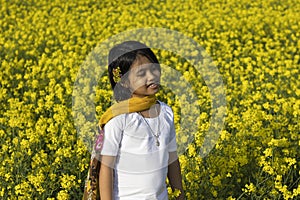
[(150, 75)]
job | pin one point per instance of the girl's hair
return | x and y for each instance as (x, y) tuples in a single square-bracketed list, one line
[(121, 57)]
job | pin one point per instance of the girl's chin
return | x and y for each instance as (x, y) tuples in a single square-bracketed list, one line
[(152, 92)]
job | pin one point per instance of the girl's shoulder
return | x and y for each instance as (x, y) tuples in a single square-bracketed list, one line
[(165, 108), (117, 121)]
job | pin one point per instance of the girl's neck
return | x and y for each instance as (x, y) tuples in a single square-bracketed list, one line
[(153, 112)]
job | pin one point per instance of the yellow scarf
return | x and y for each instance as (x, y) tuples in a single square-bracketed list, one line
[(133, 104)]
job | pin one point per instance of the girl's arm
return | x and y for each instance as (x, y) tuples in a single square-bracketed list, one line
[(174, 174), (106, 177)]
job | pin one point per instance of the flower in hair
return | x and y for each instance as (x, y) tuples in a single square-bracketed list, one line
[(117, 74)]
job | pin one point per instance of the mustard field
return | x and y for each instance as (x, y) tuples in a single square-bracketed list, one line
[(254, 45)]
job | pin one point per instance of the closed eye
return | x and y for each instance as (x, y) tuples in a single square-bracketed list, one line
[(141, 73)]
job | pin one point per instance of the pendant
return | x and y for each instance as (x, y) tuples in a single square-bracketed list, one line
[(157, 142)]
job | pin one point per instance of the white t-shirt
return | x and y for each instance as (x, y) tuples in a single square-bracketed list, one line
[(141, 166)]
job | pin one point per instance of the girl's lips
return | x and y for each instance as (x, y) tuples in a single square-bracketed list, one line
[(153, 85)]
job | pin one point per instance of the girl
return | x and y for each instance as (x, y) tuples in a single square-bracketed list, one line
[(138, 152)]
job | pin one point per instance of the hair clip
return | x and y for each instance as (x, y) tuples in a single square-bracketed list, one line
[(117, 74)]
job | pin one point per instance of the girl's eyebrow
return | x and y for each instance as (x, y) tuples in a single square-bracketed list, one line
[(140, 70), (144, 67)]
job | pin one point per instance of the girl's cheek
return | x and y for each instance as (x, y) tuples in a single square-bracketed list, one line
[(138, 83)]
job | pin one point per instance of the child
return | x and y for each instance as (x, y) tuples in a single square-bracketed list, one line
[(138, 152)]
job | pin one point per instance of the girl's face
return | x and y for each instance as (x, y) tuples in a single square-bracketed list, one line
[(143, 77)]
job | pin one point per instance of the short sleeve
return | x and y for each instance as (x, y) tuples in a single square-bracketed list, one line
[(172, 146), (172, 143), (112, 136)]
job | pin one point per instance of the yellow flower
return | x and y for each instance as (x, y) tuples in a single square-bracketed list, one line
[(250, 188), (62, 195), (2, 192), (67, 181)]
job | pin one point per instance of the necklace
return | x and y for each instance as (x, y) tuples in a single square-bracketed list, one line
[(156, 136)]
